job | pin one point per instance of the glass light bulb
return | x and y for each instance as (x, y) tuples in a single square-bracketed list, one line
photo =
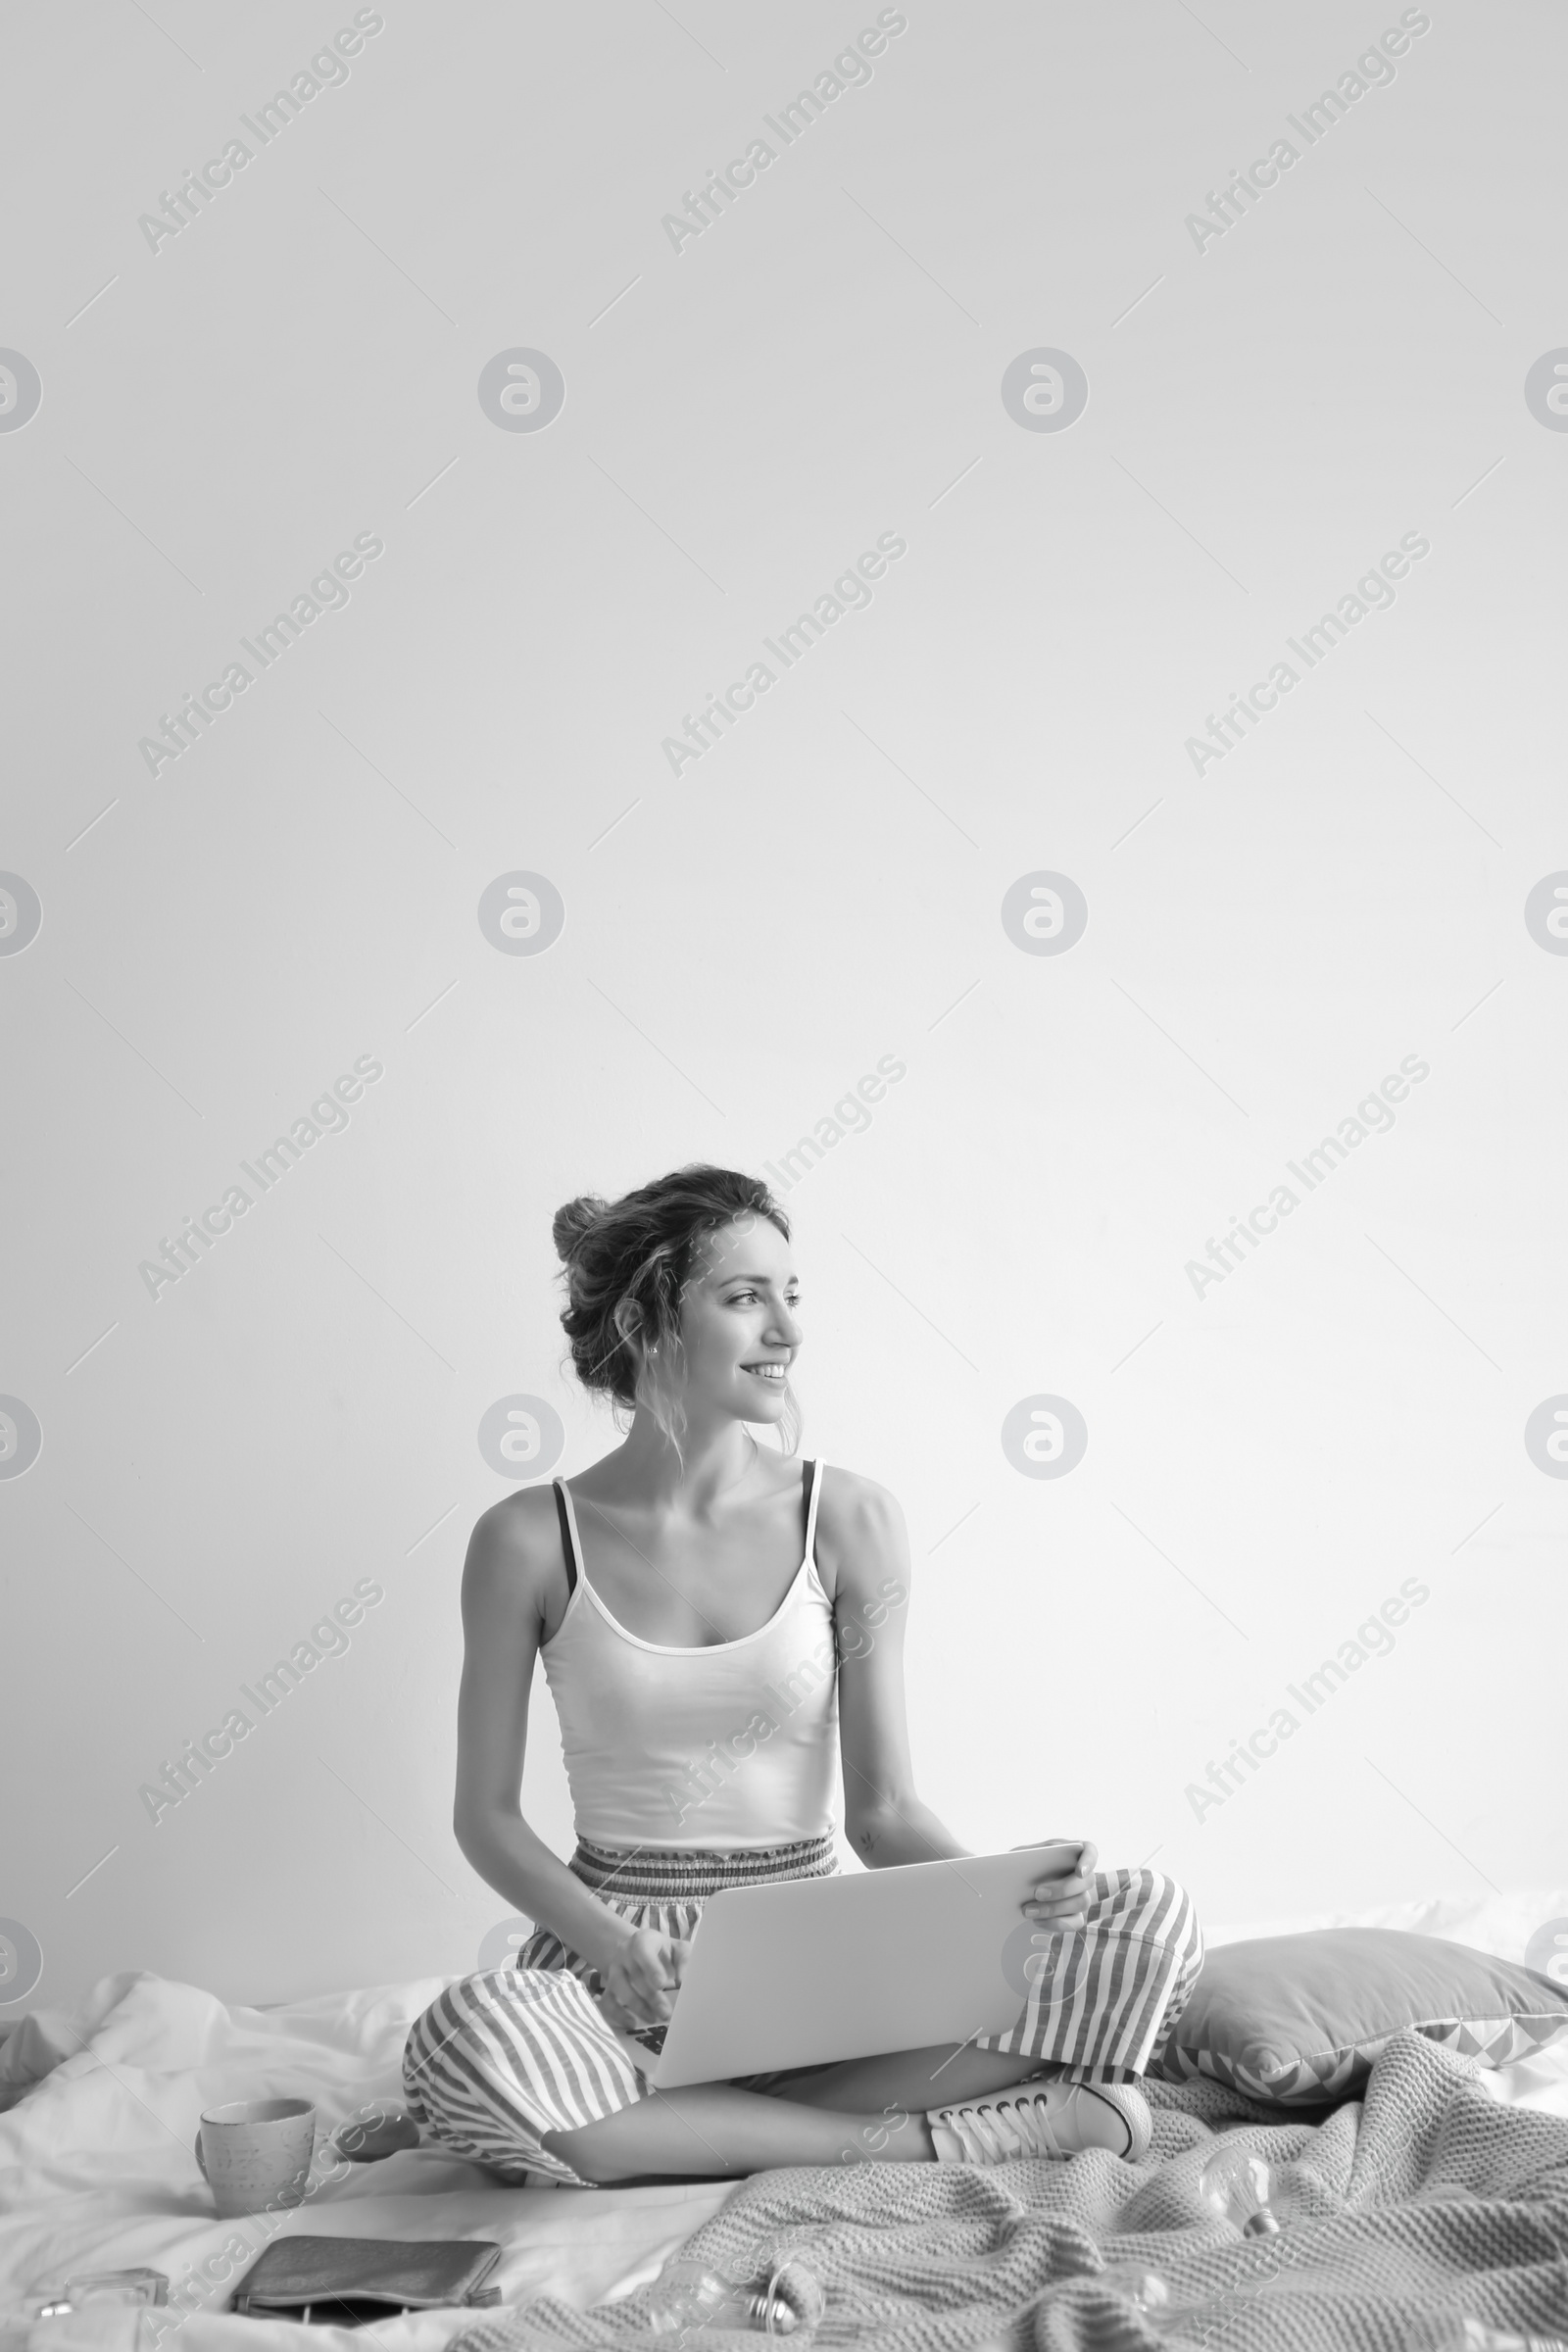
[(793, 2298), (1239, 2185), (795, 2301), (1145, 2289), (689, 2297), (692, 2295)]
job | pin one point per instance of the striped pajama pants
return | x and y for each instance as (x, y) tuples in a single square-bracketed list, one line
[(502, 2058)]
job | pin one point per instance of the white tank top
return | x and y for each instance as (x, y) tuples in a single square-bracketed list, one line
[(729, 1746)]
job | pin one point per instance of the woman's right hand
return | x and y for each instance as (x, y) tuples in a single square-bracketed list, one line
[(642, 1977)]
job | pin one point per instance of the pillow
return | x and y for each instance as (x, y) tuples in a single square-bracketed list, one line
[(1298, 2020)]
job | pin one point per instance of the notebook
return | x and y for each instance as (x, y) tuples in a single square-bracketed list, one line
[(347, 2279)]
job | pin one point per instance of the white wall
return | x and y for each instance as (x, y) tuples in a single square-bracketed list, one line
[(1266, 1463)]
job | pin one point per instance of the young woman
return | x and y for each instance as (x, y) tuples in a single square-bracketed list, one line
[(710, 1614)]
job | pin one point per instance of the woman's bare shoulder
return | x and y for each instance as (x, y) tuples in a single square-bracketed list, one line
[(514, 1552), (861, 1536), (855, 1505)]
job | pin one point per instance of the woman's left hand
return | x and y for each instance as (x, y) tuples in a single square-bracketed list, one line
[(1064, 1902)]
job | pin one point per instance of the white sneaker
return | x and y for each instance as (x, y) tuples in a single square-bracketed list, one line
[(1044, 2119)]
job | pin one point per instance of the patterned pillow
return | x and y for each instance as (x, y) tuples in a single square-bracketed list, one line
[(1298, 2020)]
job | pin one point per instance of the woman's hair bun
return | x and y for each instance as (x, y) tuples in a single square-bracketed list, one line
[(572, 1221)]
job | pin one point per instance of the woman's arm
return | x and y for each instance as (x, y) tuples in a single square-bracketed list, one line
[(514, 1563), (864, 1545)]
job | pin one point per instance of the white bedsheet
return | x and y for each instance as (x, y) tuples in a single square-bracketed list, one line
[(97, 2170)]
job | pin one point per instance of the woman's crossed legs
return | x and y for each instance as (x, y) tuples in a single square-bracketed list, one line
[(862, 2110), (517, 2068)]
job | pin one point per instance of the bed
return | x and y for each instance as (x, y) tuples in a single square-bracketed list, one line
[(97, 2170)]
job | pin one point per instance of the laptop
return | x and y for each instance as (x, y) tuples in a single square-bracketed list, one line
[(805, 1970)]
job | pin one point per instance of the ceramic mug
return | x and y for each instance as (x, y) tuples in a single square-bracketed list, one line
[(257, 2152)]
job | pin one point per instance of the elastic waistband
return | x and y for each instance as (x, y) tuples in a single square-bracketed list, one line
[(655, 1874)]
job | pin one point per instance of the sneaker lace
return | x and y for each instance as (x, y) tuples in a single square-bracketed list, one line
[(1004, 2128)]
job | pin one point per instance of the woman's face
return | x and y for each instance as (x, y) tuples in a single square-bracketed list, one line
[(738, 1329)]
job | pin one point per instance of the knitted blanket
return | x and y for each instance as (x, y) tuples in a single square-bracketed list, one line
[(1427, 2200)]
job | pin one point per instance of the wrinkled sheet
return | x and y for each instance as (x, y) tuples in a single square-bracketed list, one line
[(97, 2169)]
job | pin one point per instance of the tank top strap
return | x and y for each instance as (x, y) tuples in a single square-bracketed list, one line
[(569, 1533), (813, 1472), (572, 1546)]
